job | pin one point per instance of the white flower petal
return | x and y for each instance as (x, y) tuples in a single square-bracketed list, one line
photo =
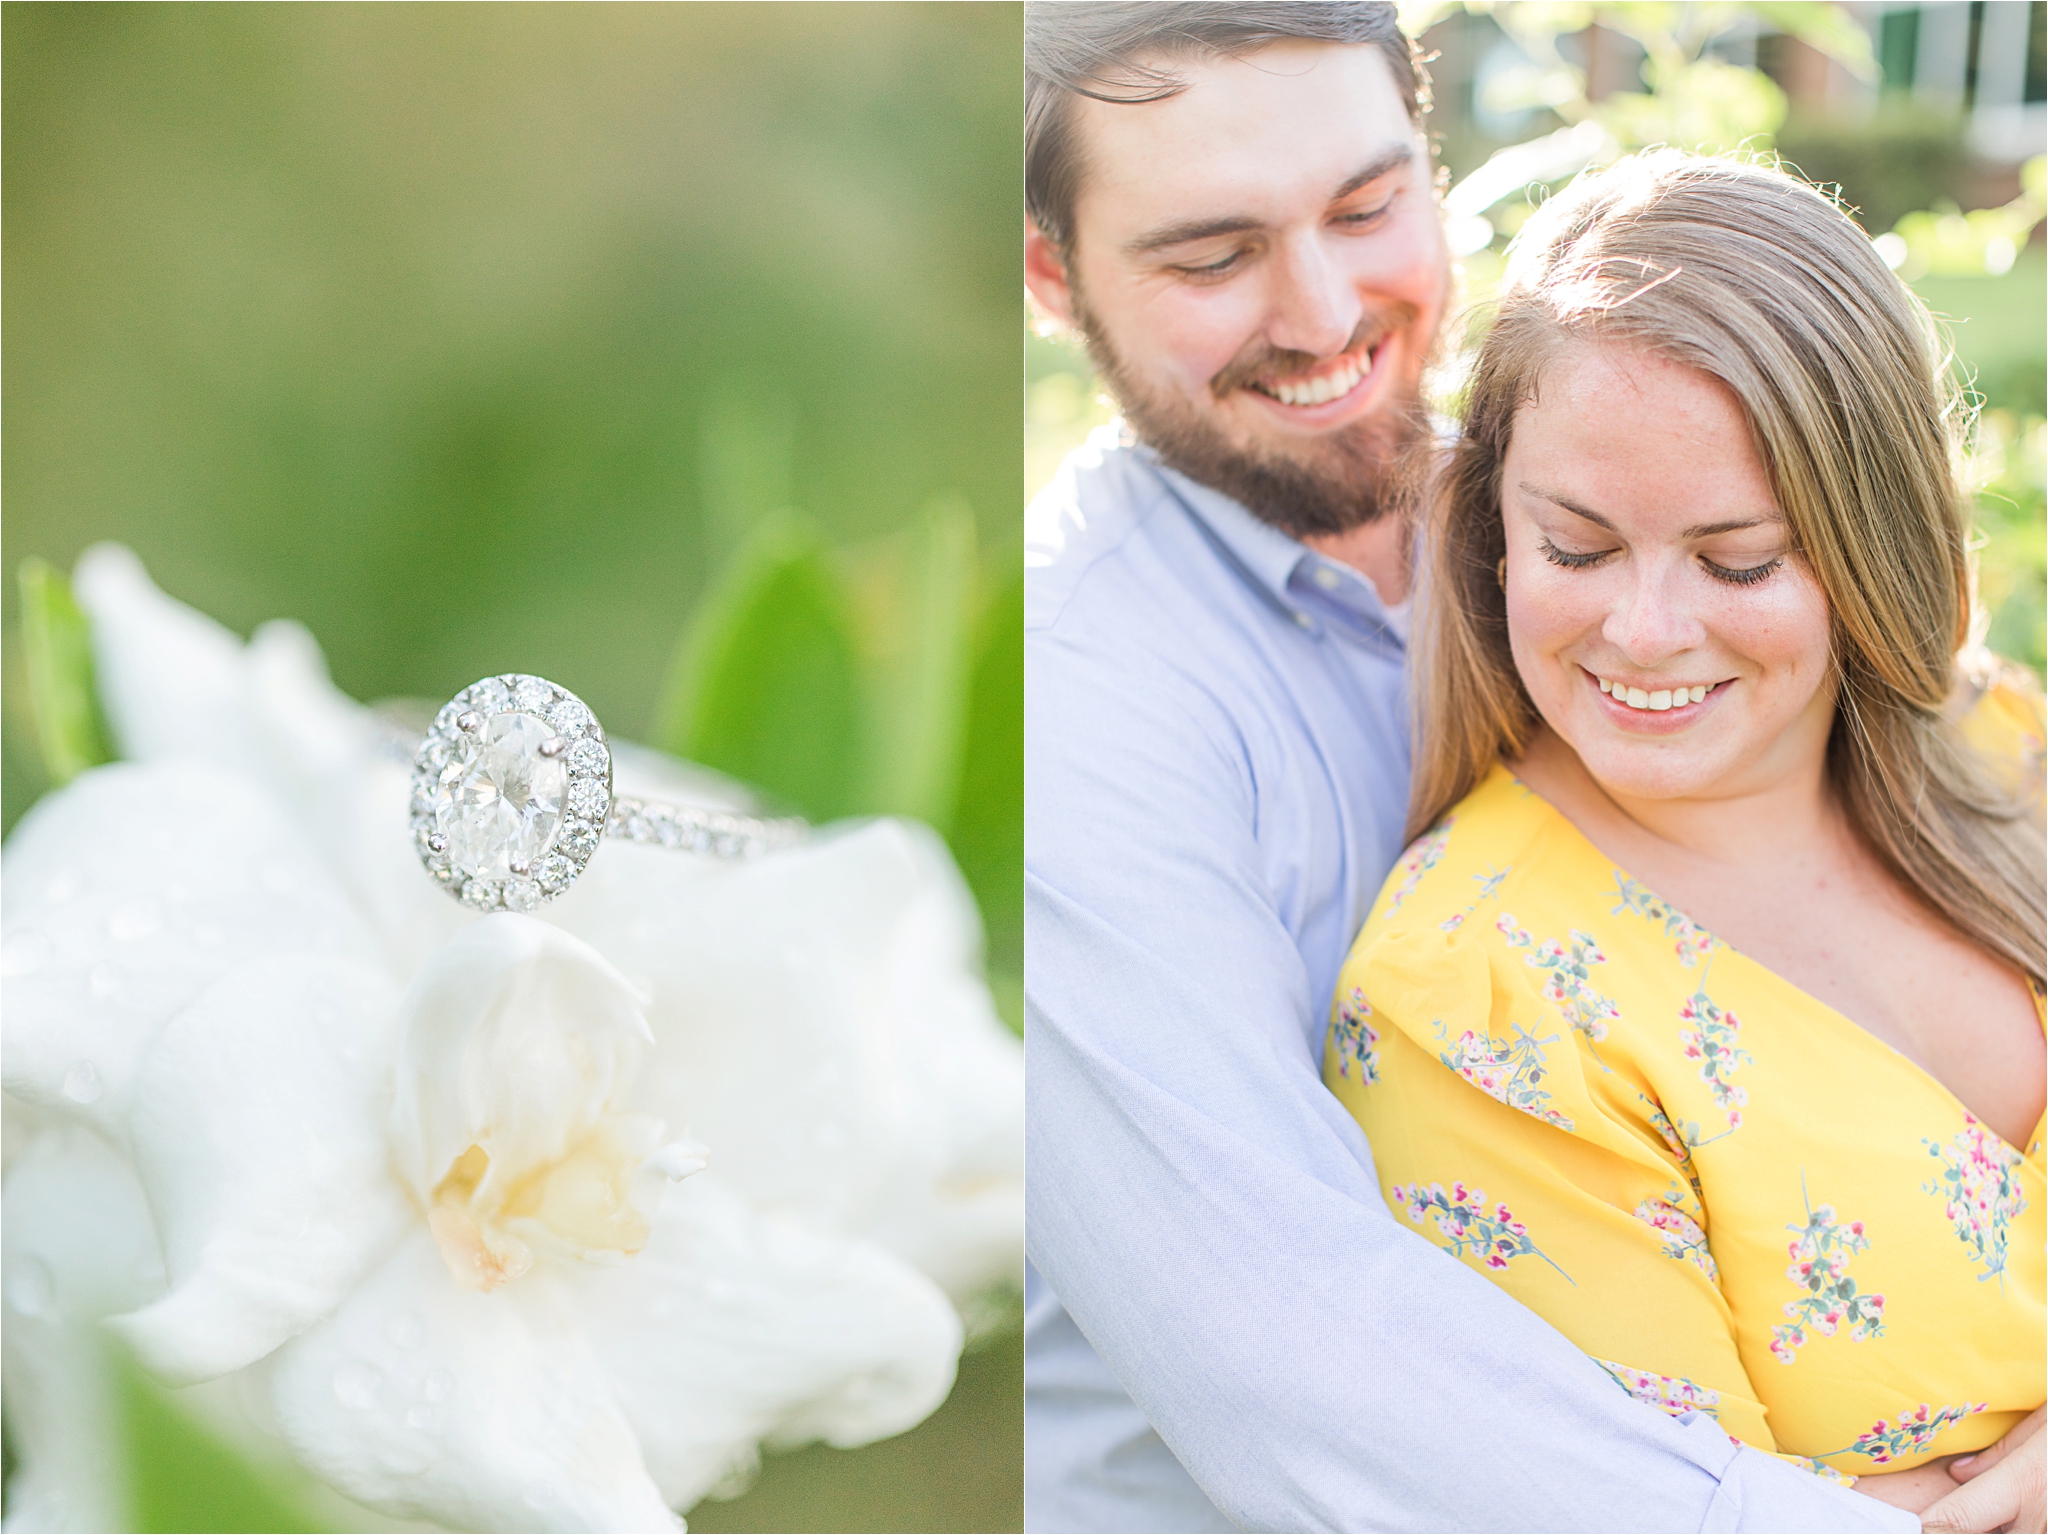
[(731, 1328), (515, 1035), (129, 892), (821, 1025), (171, 681), (78, 1244), (336, 762), (479, 1412), (258, 1127)]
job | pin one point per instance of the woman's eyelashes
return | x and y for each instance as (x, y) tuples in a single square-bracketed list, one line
[(1571, 559), (1746, 575), (1740, 575)]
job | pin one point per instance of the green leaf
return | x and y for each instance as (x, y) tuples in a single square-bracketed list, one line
[(58, 643), (184, 1478), (766, 684), (986, 828), (920, 681)]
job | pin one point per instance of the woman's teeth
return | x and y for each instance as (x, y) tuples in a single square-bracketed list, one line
[(1663, 698), (1315, 391)]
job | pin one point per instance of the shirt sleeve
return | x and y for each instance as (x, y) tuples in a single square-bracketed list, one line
[(1209, 1213)]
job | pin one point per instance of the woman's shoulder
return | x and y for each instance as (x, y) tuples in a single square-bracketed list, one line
[(1491, 841)]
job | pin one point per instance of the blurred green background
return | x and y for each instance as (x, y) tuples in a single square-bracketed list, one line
[(665, 351), (1929, 119)]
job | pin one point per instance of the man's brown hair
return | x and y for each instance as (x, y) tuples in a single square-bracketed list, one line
[(1123, 52)]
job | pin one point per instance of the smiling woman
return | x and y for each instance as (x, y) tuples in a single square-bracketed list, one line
[(1725, 918)]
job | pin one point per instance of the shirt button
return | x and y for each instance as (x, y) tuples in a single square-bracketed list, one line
[(1327, 578), (1304, 620)]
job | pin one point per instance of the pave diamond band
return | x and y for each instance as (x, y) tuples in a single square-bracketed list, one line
[(721, 833), (512, 792)]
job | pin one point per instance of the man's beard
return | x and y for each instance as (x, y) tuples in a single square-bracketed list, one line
[(1343, 480)]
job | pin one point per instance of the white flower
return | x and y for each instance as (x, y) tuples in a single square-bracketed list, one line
[(430, 1181)]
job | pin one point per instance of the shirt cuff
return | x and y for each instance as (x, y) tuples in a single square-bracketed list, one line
[(1761, 1493)]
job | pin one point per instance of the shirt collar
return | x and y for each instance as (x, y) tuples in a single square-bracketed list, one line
[(1310, 588)]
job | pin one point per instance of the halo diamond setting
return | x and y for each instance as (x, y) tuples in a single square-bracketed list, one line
[(510, 791)]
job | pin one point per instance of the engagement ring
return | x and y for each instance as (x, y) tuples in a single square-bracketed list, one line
[(512, 792)]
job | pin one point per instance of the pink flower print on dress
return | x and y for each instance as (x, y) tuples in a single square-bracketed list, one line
[(1357, 1039), (1423, 854), (1689, 941), (1886, 1441), (1682, 1235), (1979, 1186), (1568, 970), (1712, 1042), (1668, 1393), (1820, 1254), (1490, 1235), (1507, 1070)]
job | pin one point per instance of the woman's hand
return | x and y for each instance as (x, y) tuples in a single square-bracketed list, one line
[(1915, 1491), (2002, 1486)]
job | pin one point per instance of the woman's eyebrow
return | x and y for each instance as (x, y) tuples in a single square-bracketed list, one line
[(1569, 505), (1735, 525), (1697, 530)]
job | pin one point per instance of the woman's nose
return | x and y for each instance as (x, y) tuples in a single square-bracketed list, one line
[(1651, 620)]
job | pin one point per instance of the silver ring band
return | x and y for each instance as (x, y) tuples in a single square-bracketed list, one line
[(687, 829), (512, 796)]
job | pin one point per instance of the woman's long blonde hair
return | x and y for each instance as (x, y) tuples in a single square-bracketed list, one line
[(1754, 278)]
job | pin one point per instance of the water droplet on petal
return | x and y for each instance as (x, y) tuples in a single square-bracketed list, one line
[(404, 1460), (403, 1329), (134, 921), (105, 979), (30, 1290), (355, 1384), (82, 1083), (438, 1385), (721, 1290), (664, 1306), (61, 889), (422, 1417), (24, 951)]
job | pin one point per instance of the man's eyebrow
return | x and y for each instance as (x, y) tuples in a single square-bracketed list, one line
[(1697, 530), (1390, 159), (1192, 229), (1387, 160)]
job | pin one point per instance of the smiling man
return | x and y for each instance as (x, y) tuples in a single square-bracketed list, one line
[(1233, 204)]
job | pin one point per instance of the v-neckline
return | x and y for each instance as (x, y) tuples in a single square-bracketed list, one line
[(1841, 1020)]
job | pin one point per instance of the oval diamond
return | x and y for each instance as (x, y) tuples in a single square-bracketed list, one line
[(499, 802)]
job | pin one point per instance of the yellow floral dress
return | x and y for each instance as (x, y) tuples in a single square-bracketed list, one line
[(1732, 1197)]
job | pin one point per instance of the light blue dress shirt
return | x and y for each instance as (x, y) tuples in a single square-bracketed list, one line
[(1224, 1325)]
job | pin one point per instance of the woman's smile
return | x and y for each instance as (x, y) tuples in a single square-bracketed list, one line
[(1659, 619)]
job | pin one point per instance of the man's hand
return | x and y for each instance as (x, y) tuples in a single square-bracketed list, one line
[(2002, 1486)]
